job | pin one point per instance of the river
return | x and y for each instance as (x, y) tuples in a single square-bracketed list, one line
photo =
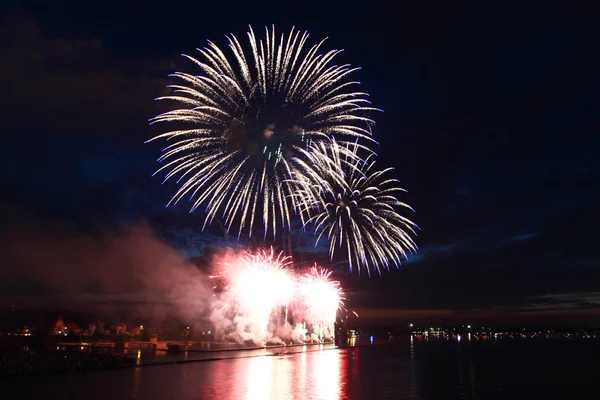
[(511, 369)]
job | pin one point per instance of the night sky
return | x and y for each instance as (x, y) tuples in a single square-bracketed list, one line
[(490, 119)]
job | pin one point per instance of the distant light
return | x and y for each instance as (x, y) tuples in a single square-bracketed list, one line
[(468, 326), (141, 326), (371, 339), (458, 338), (411, 325), (188, 327)]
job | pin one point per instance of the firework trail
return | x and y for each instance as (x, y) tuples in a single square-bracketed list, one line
[(248, 111), (354, 205)]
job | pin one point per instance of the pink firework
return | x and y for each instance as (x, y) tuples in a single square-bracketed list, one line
[(259, 283), (322, 296)]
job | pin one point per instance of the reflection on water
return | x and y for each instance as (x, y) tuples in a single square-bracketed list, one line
[(301, 383), (259, 377), (355, 369), (312, 375), (406, 370), (136, 383), (325, 376), (281, 381), (412, 369)]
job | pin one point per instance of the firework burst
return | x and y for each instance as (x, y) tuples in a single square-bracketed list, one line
[(322, 296), (354, 205), (241, 119), (258, 283)]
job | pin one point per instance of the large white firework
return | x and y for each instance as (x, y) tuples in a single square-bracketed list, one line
[(239, 121), (354, 205)]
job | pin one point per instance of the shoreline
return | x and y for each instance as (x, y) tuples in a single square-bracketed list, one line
[(308, 350), (208, 359), (274, 346), (127, 361)]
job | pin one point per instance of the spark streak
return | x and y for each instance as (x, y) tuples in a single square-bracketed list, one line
[(354, 205)]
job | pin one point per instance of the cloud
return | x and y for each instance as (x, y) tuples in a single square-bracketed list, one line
[(524, 236), (566, 301), (492, 316), (52, 263), (71, 85)]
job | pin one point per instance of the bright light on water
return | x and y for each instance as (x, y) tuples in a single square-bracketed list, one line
[(533, 369)]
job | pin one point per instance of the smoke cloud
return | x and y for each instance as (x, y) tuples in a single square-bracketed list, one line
[(55, 264)]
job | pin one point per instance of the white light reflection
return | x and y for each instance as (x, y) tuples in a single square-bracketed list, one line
[(325, 375), (260, 378), (283, 370), (412, 368), (300, 384)]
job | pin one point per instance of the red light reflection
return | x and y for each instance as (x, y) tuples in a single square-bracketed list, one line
[(314, 372), (310, 375)]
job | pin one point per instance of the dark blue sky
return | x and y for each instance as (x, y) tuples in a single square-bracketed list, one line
[(491, 120)]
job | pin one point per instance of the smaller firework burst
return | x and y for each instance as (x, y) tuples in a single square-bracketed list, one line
[(322, 296), (354, 205), (257, 284)]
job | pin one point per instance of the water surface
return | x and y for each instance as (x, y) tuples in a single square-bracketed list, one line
[(517, 369)]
